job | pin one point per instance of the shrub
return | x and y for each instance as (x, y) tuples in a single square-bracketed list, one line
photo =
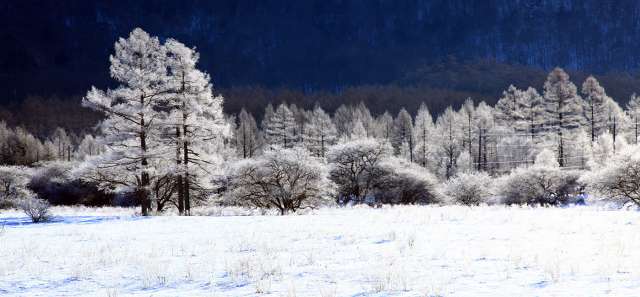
[(54, 183), (469, 188), (402, 182), (285, 179), (619, 179), (36, 209), (13, 185), (544, 183), (539, 185)]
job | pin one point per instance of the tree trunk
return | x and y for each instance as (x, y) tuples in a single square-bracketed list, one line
[(636, 120), (185, 149), (593, 131), (560, 136), (179, 178), (145, 202), (613, 133), (479, 149)]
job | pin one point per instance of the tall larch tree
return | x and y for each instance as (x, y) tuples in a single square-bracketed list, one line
[(483, 124), (533, 111), (616, 120), (468, 113), (131, 115), (563, 109), (422, 131), (403, 132), (384, 126), (320, 132), (595, 105), (280, 127), (197, 116), (449, 141), (247, 135), (633, 110), (508, 109)]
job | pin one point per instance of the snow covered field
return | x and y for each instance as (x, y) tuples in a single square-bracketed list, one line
[(399, 251)]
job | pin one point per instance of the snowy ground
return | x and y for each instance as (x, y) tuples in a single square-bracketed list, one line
[(401, 251)]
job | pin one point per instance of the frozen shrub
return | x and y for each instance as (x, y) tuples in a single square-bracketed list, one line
[(402, 182), (354, 167), (36, 209), (54, 182), (619, 179), (13, 185), (543, 183), (285, 179), (539, 185), (469, 188)]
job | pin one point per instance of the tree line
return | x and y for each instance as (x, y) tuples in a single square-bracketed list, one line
[(164, 140)]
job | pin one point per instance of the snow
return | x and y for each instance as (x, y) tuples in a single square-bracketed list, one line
[(393, 251)]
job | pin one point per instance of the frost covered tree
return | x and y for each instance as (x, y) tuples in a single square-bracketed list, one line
[(63, 142), (563, 108), (449, 144), (483, 125), (616, 120), (247, 135), (604, 149), (342, 118), (595, 101), (464, 163), (403, 133), (131, 115), (469, 188), (300, 116), (89, 146), (284, 179), (320, 132), (543, 183), (361, 113), (467, 112), (196, 115), (384, 126), (520, 110), (508, 108), (422, 133), (633, 110), (358, 131), (279, 128), (14, 188), (533, 110), (354, 167), (619, 178)]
